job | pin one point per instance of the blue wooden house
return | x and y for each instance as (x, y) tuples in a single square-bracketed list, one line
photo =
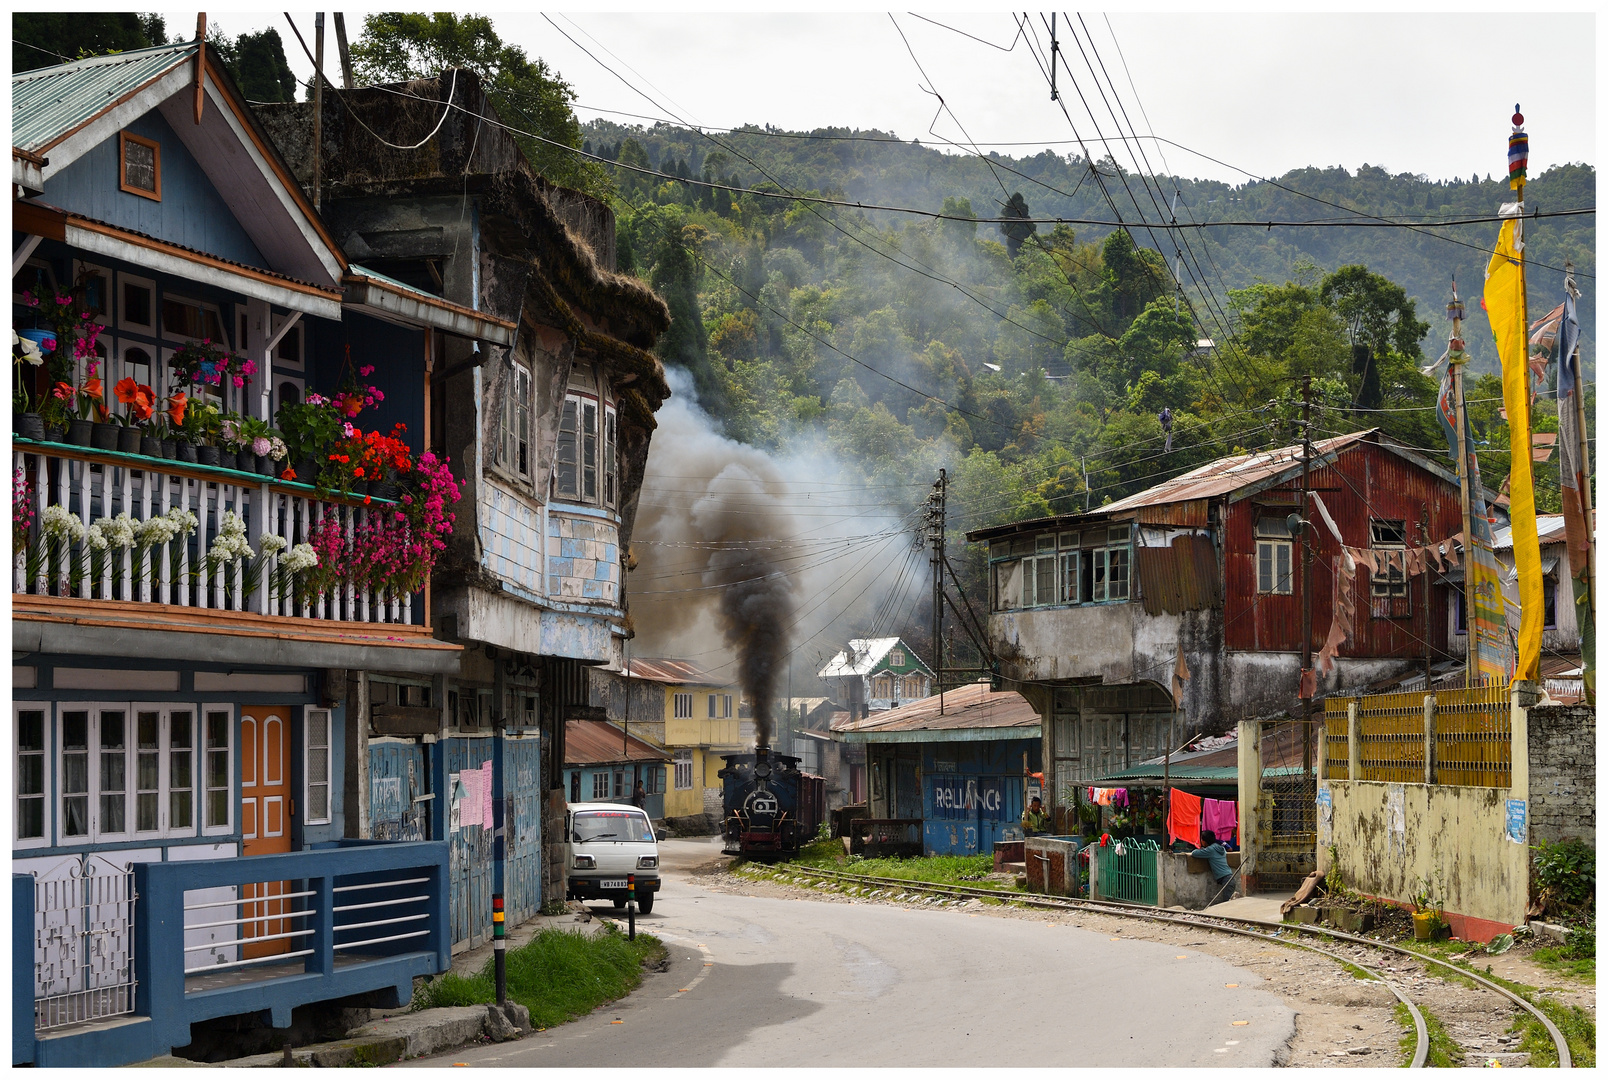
[(195, 798), (959, 763), (551, 431), (605, 764)]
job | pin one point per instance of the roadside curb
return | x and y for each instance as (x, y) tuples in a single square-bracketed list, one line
[(382, 1042)]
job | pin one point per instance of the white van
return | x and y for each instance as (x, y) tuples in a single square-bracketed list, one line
[(603, 842)]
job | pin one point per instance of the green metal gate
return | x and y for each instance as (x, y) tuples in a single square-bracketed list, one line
[(1129, 876)]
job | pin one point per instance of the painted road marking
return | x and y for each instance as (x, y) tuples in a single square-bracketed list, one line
[(1241, 1023), (1232, 986), (1181, 956), (702, 973)]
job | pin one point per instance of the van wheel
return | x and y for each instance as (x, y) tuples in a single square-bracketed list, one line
[(618, 904), (645, 904)]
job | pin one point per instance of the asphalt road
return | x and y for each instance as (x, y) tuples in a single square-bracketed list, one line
[(765, 980)]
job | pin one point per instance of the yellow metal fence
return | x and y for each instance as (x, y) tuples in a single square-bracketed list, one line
[(1473, 744)]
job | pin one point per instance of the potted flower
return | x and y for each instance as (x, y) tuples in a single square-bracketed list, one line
[(205, 363), (262, 443), (201, 425), (28, 358), (172, 424), (1426, 914), (140, 401)]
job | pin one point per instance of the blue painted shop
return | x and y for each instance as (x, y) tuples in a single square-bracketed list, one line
[(958, 764)]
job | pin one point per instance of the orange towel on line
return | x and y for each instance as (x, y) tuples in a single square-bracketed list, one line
[(1183, 820)]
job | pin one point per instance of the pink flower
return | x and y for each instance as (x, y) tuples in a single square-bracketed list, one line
[(366, 370)]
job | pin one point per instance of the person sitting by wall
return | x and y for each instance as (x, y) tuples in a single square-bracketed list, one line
[(1217, 859), (1035, 819)]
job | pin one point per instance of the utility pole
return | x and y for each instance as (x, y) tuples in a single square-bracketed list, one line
[(346, 53), (318, 110), (935, 537), (1306, 575), (1454, 311), (1429, 663), (1055, 58)]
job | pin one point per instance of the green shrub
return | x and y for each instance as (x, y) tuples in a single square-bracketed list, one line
[(1565, 876), (1581, 943)]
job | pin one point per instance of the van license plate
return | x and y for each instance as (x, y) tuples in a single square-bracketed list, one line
[(611, 883)]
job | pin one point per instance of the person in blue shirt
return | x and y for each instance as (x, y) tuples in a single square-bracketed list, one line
[(1217, 858)]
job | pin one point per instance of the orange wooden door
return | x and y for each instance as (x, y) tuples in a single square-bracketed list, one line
[(265, 825)]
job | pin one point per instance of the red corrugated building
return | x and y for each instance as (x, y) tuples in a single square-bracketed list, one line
[(1088, 612)]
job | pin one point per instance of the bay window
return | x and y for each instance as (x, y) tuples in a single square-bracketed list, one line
[(585, 466)]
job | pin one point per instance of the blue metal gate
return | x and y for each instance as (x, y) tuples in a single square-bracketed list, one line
[(471, 851), (1129, 875), (397, 780), (522, 794)]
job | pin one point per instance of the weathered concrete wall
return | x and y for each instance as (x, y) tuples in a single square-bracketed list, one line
[(1182, 881), (1563, 773), (1392, 839)]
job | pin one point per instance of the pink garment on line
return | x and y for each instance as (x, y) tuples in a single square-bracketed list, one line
[(1221, 817)]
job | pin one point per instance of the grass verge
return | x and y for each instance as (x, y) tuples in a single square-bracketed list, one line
[(558, 975), (1444, 1053), (1561, 959), (965, 870)]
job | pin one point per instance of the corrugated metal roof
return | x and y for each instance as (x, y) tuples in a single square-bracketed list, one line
[(597, 742), (666, 670), (1549, 526), (969, 707), (47, 103), (1229, 474)]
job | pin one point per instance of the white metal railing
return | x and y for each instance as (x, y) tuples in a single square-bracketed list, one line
[(92, 485), (402, 903), (83, 943)]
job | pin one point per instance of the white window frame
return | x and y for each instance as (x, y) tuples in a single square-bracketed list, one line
[(278, 401), (123, 322), (1071, 570), (1105, 559), (298, 334), (683, 706), (600, 784), (683, 770), (47, 817), (513, 429), (882, 686), (611, 456), (203, 306), (1268, 581), (312, 720), (131, 710), (714, 707), (896, 658), (725, 707), (584, 443), (232, 798)]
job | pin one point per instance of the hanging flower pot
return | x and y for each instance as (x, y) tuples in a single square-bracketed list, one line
[(45, 339), (80, 432)]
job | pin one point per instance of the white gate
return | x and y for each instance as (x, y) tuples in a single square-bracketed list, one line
[(83, 942)]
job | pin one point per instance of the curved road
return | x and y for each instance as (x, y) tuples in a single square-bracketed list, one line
[(759, 979)]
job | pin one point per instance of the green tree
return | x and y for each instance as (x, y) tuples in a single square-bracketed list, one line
[(256, 62), (46, 38), (1380, 320), (396, 46)]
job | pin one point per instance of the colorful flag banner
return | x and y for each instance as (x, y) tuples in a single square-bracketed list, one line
[(1504, 305), (1575, 484)]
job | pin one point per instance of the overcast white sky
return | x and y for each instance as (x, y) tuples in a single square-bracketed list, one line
[(1265, 92)]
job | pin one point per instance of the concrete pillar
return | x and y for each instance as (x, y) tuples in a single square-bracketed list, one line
[(1522, 695), (1353, 743), (1250, 792), (1429, 738), (355, 796)]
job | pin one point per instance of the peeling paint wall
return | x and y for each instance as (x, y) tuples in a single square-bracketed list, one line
[(583, 558), (1393, 839)]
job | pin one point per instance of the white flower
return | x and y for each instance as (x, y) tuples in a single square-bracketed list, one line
[(117, 532), (183, 520), (277, 449), (59, 523), (272, 544), (230, 543), (157, 531), (299, 558), (28, 347)]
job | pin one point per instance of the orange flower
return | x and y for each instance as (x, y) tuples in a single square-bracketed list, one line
[(127, 389), (176, 405), (92, 388)]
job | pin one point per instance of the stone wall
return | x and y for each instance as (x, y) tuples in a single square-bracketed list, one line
[(1563, 773)]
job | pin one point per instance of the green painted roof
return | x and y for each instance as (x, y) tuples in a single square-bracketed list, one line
[(49, 102), (1143, 775)]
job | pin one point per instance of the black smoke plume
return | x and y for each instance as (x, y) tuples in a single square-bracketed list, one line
[(756, 612)]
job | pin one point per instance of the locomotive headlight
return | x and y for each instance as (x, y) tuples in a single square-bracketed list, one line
[(647, 862), (585, 862)]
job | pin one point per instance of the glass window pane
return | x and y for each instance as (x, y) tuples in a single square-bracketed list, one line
[(217, 808), (31, 775), (179, 725), (589, 450), (149, 725), (31, 730), (75, 773), (145, 812), (75, 730), (217, 731), (318, 803), (179, 812), (31, 819), (565, 465), (75, 816)]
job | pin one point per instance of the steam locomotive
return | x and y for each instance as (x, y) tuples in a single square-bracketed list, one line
[(770, 807)]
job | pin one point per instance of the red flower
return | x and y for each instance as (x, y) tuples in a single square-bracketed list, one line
[(176, 405)]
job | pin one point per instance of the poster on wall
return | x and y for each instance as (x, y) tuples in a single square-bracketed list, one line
[(1517, 821), (1396, 817), (1325, 816)]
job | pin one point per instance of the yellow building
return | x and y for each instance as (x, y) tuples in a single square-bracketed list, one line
[(694, 717)]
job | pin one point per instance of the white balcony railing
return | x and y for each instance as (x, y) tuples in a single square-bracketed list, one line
[(91, 485)]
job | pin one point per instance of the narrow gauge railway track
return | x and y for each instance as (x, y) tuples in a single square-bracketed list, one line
[(1223, 924)]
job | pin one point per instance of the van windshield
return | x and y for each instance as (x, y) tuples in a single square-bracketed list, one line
[(610, 825)]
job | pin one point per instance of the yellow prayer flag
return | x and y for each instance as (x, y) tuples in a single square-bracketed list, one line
[(1505, 305)]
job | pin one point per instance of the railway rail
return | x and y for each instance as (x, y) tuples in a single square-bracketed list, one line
[(1222, 924)]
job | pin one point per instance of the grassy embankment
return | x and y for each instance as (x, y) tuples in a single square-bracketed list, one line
[(967, 870), (558, 975)]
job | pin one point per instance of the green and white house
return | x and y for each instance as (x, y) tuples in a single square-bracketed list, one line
[(873, 674)]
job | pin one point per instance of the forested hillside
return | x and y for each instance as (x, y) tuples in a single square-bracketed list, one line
[(1021, 358)]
